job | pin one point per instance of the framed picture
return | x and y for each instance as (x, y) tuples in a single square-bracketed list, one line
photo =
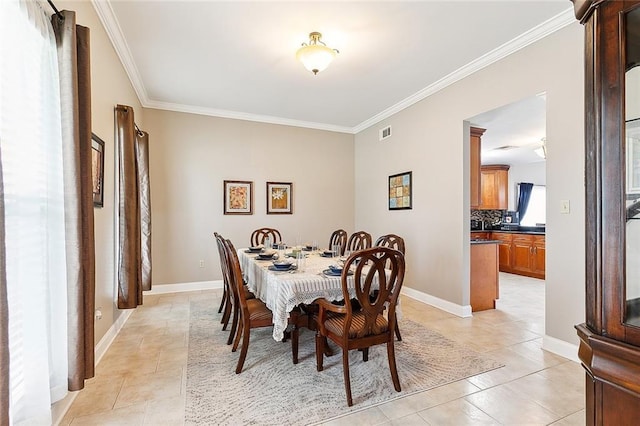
[(97, 170), (279, 197), (400, 191), (238, 197)]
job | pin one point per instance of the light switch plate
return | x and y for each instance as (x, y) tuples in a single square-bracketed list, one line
[(565, 207)]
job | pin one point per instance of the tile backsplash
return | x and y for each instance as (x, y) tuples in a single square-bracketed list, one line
[(488, 216)]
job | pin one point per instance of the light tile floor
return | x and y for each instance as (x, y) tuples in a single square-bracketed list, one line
[(534, 387)]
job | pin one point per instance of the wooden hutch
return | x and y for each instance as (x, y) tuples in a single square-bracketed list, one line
[(610, 337)]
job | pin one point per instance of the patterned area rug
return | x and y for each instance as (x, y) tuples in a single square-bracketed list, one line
[(272, 390)]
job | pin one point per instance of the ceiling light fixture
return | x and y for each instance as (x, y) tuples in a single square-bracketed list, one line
[(315, 56), (542, 151)]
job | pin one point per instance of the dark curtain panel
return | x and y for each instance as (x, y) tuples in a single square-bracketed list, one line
[(75, 93), (142, 161), (523, 198), (130, 259), (4, 318)]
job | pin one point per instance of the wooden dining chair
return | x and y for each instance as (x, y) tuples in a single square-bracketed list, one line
[(366, 325), (391, 240), (232, 305), (359, 241), (253, 312), (259, 235), (395, 242), (338, 237)]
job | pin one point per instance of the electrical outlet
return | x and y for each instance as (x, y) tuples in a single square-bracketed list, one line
[(565, 207), (201, 263)]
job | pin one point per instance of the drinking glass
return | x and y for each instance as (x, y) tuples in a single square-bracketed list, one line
[(314, 246), (300, 261), (336, 250), (267, 243)]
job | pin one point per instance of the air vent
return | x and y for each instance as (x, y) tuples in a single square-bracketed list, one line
[(505, 147), (385, 133)]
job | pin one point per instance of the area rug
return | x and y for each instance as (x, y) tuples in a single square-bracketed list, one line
[(272, 390)]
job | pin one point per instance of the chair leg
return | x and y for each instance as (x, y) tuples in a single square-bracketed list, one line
[(295, 334), (398, 336), (365, 354), (240, 332), (223, 300), (347, 379), (391, 354), (319, 351), (226, 315), (234, 325), (243, 351)]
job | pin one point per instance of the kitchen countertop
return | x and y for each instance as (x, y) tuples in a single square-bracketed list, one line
[(480, 241), (521, 231)]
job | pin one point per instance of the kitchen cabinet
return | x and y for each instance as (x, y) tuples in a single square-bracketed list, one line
[(494, 182), (522, 254), (474, 165), (504, 250), (610, 335), (484, 283), (480, 235)]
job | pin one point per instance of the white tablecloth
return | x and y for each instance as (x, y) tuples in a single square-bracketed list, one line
[(282, 291)]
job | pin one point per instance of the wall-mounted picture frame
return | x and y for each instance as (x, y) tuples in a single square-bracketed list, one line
[(238, 197), (279, 197), (400, 187), (97, 170)]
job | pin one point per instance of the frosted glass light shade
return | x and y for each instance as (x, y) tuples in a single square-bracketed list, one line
[(315, 56)]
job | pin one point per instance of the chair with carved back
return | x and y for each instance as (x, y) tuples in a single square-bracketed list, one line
[(358, 241), (338, 237), (253, 312), (395, 242), (379, 268), (259, 235)]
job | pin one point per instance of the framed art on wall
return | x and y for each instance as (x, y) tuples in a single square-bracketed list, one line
[(279, 197), (97, 170), (238, 197), (400, 191)]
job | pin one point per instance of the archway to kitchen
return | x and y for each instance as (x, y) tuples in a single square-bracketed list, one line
[(511, 211)]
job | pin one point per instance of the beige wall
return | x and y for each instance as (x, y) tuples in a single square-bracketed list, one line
[(428, 138), (190, 157), (109, 86)]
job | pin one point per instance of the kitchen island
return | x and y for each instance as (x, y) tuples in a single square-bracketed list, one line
[(484, 280)]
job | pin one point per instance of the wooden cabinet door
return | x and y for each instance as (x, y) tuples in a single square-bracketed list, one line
[(504, 250), (539, 254), (494, 187), (522, 253), (474, 165)]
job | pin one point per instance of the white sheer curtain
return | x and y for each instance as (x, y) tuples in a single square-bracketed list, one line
[(30, 137)]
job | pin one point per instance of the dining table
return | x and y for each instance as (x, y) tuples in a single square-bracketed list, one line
[(282, 291)]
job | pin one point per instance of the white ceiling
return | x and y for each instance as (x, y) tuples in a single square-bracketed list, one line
[(237, 58)]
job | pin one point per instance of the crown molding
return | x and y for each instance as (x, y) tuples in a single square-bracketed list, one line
[(112, 27), (546, 28), (168, 106), (110, 23)]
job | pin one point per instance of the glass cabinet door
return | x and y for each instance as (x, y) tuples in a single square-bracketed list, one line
[(631, 34)]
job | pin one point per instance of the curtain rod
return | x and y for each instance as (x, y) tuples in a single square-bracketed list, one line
[(55, 9)]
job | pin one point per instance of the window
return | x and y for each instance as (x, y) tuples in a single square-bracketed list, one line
[(31, 142), (536, 214)]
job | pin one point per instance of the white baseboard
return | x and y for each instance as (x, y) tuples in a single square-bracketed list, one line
[(445, 305), (180, 287), (560, 347)]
